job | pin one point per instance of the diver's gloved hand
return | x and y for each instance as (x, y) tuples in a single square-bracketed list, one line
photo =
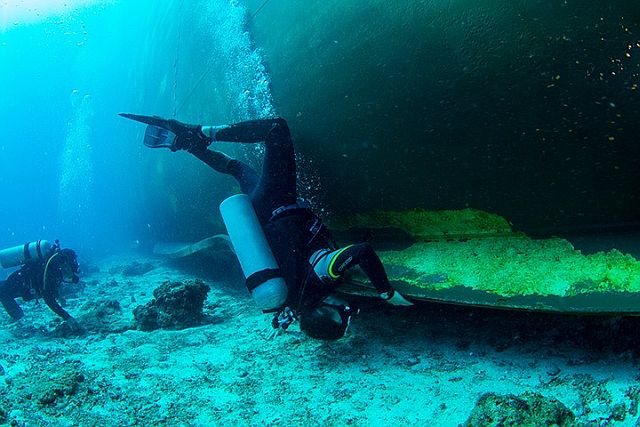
[(281, 322), (395, 298), (73, 325)]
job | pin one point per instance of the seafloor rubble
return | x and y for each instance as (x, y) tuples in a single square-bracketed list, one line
[(181, 343)]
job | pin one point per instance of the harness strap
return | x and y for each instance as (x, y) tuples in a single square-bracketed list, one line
[(259, 277), (45, 282), (300, 204)]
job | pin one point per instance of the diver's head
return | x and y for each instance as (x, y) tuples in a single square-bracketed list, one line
[(66, 261), (326, 321)]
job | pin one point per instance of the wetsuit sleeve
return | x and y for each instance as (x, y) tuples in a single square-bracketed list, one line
[(52, 303)]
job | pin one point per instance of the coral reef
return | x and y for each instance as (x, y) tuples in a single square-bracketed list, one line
[(528, 409), (49, 383), (176, 305)]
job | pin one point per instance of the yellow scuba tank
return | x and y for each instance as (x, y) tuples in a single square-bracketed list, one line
[(18, 255)]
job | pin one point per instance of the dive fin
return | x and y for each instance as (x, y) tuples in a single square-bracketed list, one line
[(149, 120), (157, 137), (170, 133)]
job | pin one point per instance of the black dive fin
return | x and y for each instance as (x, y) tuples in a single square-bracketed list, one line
[(149, 120)]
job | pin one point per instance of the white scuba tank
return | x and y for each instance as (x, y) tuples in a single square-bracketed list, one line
[(18, 255), (263, 277)]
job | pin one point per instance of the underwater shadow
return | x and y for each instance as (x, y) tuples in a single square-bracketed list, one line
[(432, 324)]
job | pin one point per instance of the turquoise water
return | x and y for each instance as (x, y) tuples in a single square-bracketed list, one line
[(71, 169), (526, 110), (67, 169)]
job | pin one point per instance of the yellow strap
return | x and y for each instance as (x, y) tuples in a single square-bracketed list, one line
[(46, 270), (333, 260)]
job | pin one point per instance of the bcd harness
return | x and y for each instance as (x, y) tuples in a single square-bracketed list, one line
[(316, 229), (285, 316)]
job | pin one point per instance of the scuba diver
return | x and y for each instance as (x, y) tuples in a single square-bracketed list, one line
[(306, 255), (45, 266)]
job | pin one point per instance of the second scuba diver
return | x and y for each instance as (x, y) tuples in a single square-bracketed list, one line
[(44, 268), (307, 257)]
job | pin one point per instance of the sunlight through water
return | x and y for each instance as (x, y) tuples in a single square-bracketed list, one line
[(20, 12)]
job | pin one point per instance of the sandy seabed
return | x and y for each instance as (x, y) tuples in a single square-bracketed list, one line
[(424, 365)]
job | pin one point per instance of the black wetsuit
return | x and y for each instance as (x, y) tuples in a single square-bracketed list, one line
[(294, 233), (28, 283)]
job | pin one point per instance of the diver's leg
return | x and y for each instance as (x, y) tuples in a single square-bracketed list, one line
[(331, 265), (7, 298), (250, 131), (277, 184), (12, 308), (242, 172)]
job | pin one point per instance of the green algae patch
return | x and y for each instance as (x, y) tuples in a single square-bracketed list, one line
[(487, 264), (429, 225), (513, 266)]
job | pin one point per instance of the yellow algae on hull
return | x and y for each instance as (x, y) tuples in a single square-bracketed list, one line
[(479, 260), (516, 266)]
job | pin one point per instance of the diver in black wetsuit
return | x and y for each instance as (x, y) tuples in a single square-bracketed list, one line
[(306, 254), (41, 278)]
